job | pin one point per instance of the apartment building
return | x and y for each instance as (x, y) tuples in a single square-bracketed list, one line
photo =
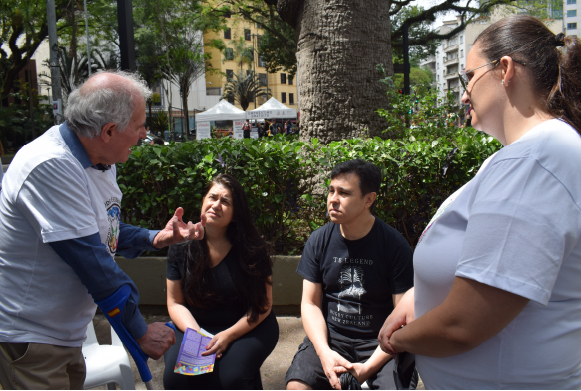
[(571, 17), (450, 57), (282, 85)]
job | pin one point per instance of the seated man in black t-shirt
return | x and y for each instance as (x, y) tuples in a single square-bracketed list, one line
[(355, 269)]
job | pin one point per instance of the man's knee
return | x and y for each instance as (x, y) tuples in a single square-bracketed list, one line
[(297, 385)]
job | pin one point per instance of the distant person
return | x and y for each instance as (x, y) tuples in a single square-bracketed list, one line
[(355, 269), (246, 128), (289, 128), (157, 141), (223, 284), (260, 130), (166, 134)]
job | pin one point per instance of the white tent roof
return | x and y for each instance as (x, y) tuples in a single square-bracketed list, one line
[(222, 111), (272, 109)]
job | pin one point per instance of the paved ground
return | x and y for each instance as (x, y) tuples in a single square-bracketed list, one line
[(273, 370)]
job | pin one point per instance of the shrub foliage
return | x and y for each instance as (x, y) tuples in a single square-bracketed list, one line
[(285, 179)]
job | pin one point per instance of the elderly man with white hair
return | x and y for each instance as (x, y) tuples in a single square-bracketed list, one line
[(60, 228)]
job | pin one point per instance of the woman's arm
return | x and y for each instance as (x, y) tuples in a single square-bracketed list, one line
[(471, 314), (224, 338), (179, 314)]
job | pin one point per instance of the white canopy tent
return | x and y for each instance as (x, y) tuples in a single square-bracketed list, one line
[(272, 109), (222, 111)]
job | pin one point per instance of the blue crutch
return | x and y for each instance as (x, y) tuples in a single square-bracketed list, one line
[(112, 307)]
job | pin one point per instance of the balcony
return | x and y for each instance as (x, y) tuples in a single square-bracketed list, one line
[(450, 61), (451, 75), (454, 89), (449, 48)]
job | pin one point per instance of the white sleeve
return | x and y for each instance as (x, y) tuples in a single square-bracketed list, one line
[(54, 199), (522, 224)]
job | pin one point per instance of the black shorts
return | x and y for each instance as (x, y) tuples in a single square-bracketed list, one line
[(307, 367)]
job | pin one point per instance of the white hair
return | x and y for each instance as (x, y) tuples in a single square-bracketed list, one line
[(88, 111)]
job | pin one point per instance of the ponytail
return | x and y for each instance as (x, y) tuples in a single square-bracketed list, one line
[(564, 100)]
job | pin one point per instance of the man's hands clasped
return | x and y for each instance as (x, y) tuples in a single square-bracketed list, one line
[(334, 365)]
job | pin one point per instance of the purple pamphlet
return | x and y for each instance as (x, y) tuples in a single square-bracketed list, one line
[(190, 360)]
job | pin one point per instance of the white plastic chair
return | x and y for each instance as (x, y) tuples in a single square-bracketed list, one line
[(106, 364)]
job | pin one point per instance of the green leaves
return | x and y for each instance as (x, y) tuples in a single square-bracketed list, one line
[(285, 180)]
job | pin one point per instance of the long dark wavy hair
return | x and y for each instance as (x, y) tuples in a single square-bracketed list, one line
[(251, 250)]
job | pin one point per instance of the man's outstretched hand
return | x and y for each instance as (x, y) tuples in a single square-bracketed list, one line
[(157, 340), (177, 231)]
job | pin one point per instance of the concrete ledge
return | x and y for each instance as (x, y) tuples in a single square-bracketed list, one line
[(148, 273)]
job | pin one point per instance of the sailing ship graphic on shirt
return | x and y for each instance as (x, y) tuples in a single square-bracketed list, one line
[(351, 280)]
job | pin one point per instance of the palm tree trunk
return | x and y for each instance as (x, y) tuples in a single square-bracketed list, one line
[(185, 109), (340, 44)]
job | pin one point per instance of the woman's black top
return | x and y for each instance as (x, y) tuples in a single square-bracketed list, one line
[(229, 309)]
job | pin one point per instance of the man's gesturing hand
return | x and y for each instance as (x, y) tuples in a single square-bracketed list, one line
[(331, 359), (177, 231), (156, 340)]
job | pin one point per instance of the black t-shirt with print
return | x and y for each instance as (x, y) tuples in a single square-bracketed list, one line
[(358, 276), (231, 309)]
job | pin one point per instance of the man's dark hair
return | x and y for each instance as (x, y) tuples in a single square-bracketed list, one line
[(368, 173), (157, 141)]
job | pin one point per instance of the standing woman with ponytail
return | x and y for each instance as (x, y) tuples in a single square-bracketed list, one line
[(497, 297), (223, 284)]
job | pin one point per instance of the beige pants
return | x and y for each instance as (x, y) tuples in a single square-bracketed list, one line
[(41, 366)]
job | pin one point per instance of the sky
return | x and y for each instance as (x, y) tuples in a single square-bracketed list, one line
[(430, 3)]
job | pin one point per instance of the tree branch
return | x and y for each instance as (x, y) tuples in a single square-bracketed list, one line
[(447, 5)]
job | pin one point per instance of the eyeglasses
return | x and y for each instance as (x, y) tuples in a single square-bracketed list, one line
[(464, 79)]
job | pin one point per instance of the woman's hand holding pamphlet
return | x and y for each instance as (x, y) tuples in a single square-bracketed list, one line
[(190, 360)]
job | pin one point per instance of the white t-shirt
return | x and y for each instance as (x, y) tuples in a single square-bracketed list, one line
[(48, 196), (515, 226)]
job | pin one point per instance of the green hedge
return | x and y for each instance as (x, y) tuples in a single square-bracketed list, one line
[(285, 179)]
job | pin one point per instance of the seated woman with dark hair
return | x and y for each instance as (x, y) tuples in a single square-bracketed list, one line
[(223, 284)]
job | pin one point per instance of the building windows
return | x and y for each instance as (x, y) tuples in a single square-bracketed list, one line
[(262, 79), (290, 80), (571, 13), (461, 39), (571, 26), (229, 54), (227, 34), (461, 53), (248, 72), (291, 99), (438, 78), (569, 2), (261, 62), (247, 34), (283, 96), (229, 74), (283, 78)]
